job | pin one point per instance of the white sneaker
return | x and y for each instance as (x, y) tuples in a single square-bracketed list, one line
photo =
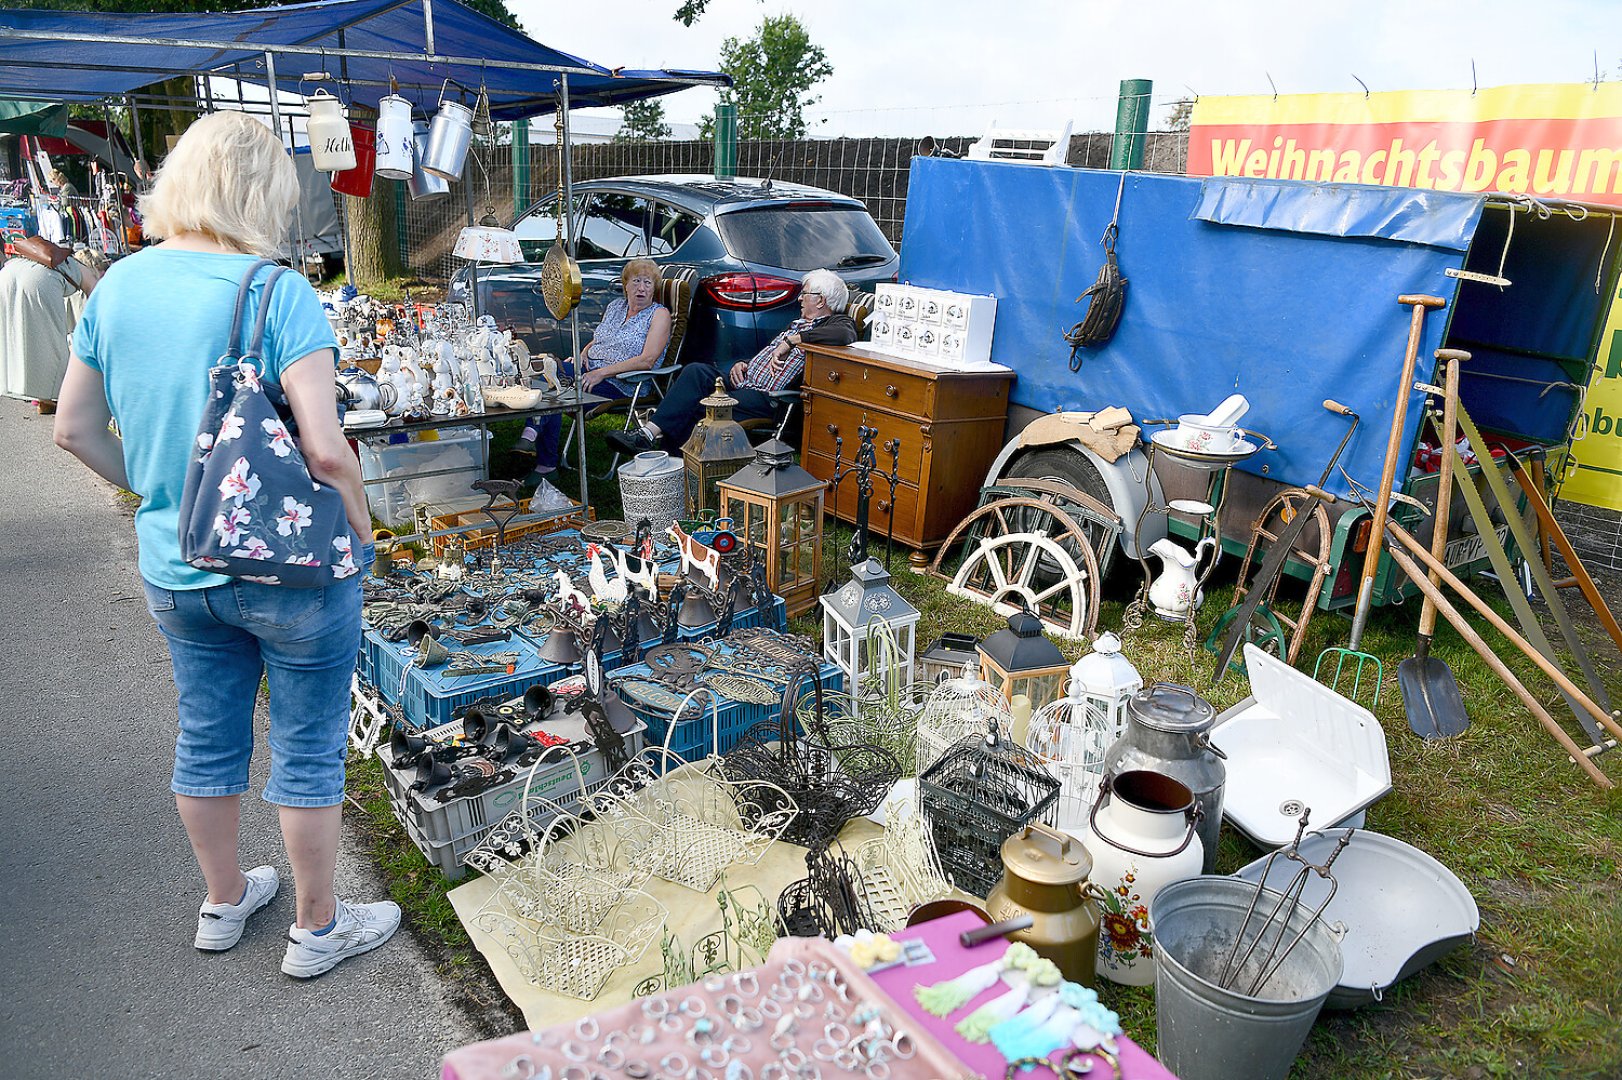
[(219, 926), (360, 928)]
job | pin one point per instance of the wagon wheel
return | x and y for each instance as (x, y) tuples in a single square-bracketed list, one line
[(1024, 552)]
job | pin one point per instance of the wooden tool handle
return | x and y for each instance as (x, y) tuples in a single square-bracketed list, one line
[(1499, 623), (1420, 300), (1336, 407), (1451, 614), (1552, 529), (1444, 480)]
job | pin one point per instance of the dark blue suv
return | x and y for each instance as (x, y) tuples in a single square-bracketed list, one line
[(751, 242)]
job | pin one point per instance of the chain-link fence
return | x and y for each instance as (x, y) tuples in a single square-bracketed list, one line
[(874, 170)]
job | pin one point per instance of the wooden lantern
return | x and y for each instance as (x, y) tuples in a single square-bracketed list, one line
[(1021, 660), (717, 448), (776, 508)]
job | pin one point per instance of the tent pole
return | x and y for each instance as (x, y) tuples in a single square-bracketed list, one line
[(276, 124), (135, 129), (428, 26), (566, 152), (121, 242)]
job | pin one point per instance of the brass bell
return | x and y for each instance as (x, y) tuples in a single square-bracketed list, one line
[(431, 652), (537, 703), (696, 610), (561, 647)]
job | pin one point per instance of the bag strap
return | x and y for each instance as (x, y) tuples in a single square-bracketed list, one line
[(256, 346), (231, 350)]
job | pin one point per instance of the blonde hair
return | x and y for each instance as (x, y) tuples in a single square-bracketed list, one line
[(230, 179), (629, 272)]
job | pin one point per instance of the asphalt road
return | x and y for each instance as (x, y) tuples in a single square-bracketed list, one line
[(98, 889)]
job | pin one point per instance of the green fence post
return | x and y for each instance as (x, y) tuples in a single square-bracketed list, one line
[(1131, 124), (520, 144), (726, 140)]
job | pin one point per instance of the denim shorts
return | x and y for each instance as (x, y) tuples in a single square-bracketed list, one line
[(222, 640)]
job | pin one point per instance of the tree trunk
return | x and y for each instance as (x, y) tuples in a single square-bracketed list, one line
[(374, 247)]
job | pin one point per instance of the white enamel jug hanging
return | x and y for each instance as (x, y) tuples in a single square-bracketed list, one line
[(396, 140), (1142, 835), (449, 137), (332, 149)]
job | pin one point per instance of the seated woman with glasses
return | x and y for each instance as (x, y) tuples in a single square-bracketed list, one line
[(632, 337), (822, 321)]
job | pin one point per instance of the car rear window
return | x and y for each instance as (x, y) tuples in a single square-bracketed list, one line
[(804, 237)]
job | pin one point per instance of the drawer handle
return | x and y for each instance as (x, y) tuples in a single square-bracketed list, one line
[(890, 391), (833, 376), (892, 446), (884, 506), (833, 429)]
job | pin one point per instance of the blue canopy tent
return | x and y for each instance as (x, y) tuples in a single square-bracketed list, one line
[(90, 56)]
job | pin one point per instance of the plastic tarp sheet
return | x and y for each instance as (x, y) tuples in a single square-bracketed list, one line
[(1437, 218), (1286, 317), (32, 118), (79, 70)]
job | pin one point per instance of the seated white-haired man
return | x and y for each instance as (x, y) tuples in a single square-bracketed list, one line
[(778, 366)]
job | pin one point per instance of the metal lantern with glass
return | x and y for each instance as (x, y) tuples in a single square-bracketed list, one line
[(852, 618), (1021, 660), (776, 507), (717, 448)]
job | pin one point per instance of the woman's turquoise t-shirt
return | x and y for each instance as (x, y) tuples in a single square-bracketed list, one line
[(153, 327)]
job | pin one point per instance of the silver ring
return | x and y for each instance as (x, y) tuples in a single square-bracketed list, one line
[(804, 1010), (902, 1046), (780, 1040), (511, 1069), (611, 1057), (794, 966), (654, 1007), (754, 983), (848, 1060), (669, 1064), (574, 1072), (692, 1005), (843, 1036), (779, 992), (792, 980), (617, 1038), (749, 1019), (794, 1058), (670, 1022), (810, 992), (574, 1051), (770, 1009), (714, 1056), (878, 1070), (740, 1071), (730, 1005), (737, 1044), (587, 1028), (823, 1050), (641, 1033), (714, 983), (816, 969), (773, 1071), (638, 1070)]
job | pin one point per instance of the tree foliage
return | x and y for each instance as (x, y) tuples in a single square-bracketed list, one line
[(1182, 111), (772, 76), (643, 121)]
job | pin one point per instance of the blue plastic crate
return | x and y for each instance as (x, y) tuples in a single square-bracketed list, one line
[(694, 738)]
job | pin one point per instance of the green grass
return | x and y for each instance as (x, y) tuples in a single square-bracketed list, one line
[(1539, 991)]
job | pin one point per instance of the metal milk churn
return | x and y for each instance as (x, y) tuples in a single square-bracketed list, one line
[(396, 139), (331, 147), (449, 137), (1045, 877), (1167, 731)]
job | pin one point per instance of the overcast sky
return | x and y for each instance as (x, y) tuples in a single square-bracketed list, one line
[(949, 67)]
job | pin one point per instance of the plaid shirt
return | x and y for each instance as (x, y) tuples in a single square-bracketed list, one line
[(767, 374)]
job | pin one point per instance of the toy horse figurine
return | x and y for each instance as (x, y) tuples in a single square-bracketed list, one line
[(570, 597)]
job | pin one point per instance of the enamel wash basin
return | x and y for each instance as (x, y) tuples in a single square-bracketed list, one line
[(1295, 744)]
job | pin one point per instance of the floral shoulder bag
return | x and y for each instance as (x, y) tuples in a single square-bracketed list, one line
[(250, 508)]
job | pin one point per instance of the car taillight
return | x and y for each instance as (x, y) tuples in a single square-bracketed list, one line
[(747, 291)]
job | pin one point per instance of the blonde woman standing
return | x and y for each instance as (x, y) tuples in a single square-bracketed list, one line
[(141, 356)]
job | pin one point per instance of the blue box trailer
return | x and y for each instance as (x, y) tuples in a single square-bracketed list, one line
[(1283, 291)]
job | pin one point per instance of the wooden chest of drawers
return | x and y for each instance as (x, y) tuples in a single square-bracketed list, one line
[(946, 426)]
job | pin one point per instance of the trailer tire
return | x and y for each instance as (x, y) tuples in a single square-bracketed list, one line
[(1066, 466)]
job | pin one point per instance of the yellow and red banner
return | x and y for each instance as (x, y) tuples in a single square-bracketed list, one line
[(1557, 141)]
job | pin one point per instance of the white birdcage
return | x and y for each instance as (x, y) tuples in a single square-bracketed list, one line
[(955, 708), (1072, 735)]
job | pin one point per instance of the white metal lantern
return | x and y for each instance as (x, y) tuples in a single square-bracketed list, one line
[(851, 617), (957, 707), (332, 147), (1106, 680)]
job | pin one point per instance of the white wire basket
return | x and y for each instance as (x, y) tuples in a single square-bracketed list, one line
[(551, 956), (899, 871)]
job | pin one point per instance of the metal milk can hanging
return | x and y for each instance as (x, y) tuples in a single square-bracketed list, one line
[(1142, 837), (331, 147), (449, 137), (396, 140), (1168, 730)]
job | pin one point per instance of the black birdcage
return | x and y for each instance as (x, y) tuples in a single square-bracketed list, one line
[(980, 792)]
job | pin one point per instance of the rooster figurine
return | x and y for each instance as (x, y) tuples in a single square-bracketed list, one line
[(611, 592)]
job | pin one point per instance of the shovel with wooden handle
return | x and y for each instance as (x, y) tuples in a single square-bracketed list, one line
[(1430, 693), (1393, 450)]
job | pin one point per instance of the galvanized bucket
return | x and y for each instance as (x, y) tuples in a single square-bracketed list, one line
[(1206, 1032)]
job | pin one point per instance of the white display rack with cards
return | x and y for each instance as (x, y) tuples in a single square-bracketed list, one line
[(947, 329)]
